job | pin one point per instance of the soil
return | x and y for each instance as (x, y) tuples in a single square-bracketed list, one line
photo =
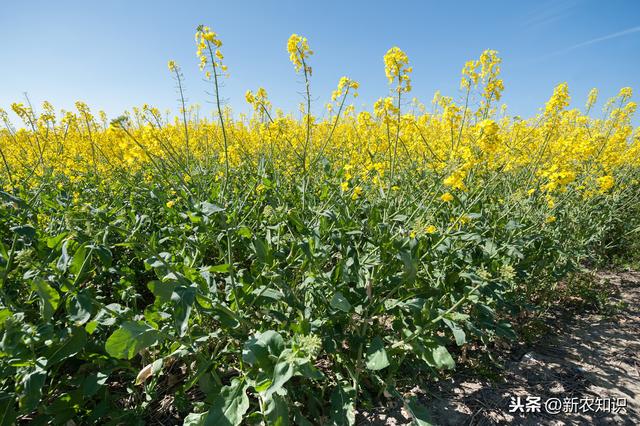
[(586, 361)]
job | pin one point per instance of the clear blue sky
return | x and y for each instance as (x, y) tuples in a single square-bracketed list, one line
[(113, 54)]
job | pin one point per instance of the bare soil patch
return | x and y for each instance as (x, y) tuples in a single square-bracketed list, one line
[(586, 356)]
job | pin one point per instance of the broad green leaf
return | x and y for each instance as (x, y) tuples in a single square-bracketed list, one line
[(79, 260), (339, 302), (53, 242), (184, 298), (49, 298), (458, 333), (441, 357), (162, 290), (32, 384), (104, 254), (343, 407), (7, 409), (262, 251), (490, 248), (80, 307), (69, 346), (410, 266), (259, 349), (4, 315), (208, 209), (131, 338), (225, 316), (92, 383), (376, 355), (277, 412), (230, 405), (282, 372), (194, 419), (268, 293)]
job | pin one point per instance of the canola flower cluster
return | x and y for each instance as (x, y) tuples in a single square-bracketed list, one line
[(458, 141)]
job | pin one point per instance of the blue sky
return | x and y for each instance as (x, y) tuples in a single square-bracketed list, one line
[(113, 54)]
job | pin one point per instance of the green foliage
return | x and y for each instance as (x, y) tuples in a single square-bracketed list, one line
[(284, 305)]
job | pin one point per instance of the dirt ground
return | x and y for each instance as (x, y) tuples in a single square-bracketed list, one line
[(587, 362)]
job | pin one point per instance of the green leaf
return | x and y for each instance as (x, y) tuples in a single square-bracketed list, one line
[(184, 298), (262, 251), (419, 412), (7, 409), (226, 316), (245, 232), (53, 242), (277, 412), (504, 329), (343, 407), (162, 290), (340, 302), (69, 347), (258, 350), (26, 231), (93, 382), (490, 248), (410, 266), (194, 419), (78, 260), (282, 372), (441, 357), (458, 333), (230, 405), (32, 384), (104, 254), (208, 209), (49, 298), (376, 355), (131, 338), (225, 267), (268, 293), (80, 307), (4, 315)]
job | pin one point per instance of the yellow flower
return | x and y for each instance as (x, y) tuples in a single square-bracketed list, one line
[(396, 68), (205, 39), (446, 197), (431, 229), (357, 191), (344, 186), (606, 183), (550, 202), (456, 180), (171, 203), (344, 85), (172, 66), (298, 48), (550, 219)]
